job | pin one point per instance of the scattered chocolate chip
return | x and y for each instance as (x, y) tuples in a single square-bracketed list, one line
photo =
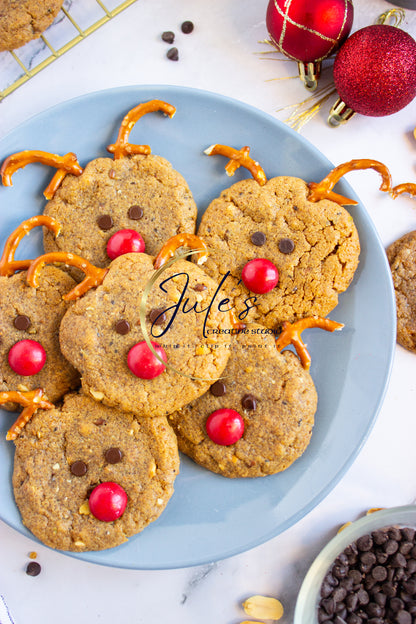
[(22, 322), (173, 54), (113, 455), (122, 327), (105, 222), (157, 316), (218, 389), (187, 27), (99, 422), (258, 238), (249, 402), (33, 568), (78, 468), (112, 174), (200, 287), (168, 36), (135, 213), (286, 245)]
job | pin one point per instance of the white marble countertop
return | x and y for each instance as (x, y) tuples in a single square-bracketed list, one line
[(221, 56)]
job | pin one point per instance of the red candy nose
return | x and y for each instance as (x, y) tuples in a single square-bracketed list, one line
[(260, 275), (143, 363), (124, 241), (225, 426), (27, 357), (108, 501)]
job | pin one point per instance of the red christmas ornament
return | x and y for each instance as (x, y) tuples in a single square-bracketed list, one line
[(374, 73), (308, 31)]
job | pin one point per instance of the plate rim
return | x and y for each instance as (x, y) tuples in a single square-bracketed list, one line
[(265, 537)]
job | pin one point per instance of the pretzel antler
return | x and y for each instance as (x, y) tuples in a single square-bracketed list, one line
[(93, 275), (322, 190), (181, 240), (122, 147), (31, 401), (406, 187), (8, 265), (291, 333), (238, 158), (64, 164)]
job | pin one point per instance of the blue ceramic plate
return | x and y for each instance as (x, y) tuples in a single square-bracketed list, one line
[(210, 517)]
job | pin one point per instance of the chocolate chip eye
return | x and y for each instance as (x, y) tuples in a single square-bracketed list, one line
[(122, 327), (249, 402), (22, 322), (105, 222), (218, 389), (258, 238), (157, 316), (200, 287), (78, 468), (135, 213), (113, 455), (286, 245)]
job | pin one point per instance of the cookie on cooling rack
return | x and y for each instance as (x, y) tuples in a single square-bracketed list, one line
[(24, 20)]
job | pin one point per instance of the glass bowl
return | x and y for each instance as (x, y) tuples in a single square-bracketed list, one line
[(309, 594)]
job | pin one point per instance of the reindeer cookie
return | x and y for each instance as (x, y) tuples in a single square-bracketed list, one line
[(87, 476), (258, 418), (134, 202), (102, 334), (30, 355), (282, 249)]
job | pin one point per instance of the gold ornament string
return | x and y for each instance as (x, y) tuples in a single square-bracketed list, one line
[(394, 17)]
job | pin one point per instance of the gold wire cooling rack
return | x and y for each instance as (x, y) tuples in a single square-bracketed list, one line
[(74, 22)]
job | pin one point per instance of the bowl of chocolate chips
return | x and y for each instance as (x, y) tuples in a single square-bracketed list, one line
[(366, 574)]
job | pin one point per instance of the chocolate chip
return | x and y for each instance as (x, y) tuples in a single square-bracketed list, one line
[(168, 36), (122, 327), (78, 468), (105, 222), (380, 537), (391, 546), (218, 389), (408, 533), (249, 402), (286, 245), (157, 316), (339, 571), (374, 610), (99, 422), (200, 287), (187, 27), (113, 455), (22, 322), (258, 238), (379, 573), (403, 617), (364, 543), (173, 54), (33, 568), (135, 213)]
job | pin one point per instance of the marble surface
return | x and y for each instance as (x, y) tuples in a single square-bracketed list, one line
[(222, 55)]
